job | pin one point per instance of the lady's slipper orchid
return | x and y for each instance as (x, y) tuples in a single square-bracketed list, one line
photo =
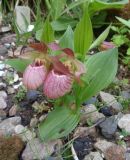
[(56, 84), (34, 76)]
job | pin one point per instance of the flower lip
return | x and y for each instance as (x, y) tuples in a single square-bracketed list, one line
[(34, 76), (57, 85)]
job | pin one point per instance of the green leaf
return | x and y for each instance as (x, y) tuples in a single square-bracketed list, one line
[(19, 64), (62, 23), (73, 5), (45, 34), (101, 38), (123, 21), (83, 35), (67, 40), (101, 70), (59, 123), (98, 5), (56, 8)]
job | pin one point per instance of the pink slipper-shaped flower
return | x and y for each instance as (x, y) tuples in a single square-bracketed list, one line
[(34, 76), (56, 85)]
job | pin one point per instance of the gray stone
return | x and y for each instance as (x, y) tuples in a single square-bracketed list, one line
[(3, 94), (2, 85), (127, 156), (10, 90), (24, 133), (125, 94), (110, 101), (7, 127), (124, 123), (109, 127), (3, 51), (2, 114), (3, 103), (90, 112), (93, 156), (35, 149), (33, 122)]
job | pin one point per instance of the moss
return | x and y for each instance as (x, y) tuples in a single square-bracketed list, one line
[(10, 148)]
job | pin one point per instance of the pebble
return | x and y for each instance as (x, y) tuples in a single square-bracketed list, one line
[(7, 126), (125, 94), (85, 131), (7, 45), (10, 90), (127, 156), (92, 100), (2, 114), (2, 85), (110, 150), (10, 148), (3, 103), (109, 127), (43, 117), (24, 133), (93, 156), (124, 123), (110, 100), (33, 122), (83, 146), (3, 94), (2, 73), (2, 66), (3, 51), (35, 149), (90, 112), (106, 111), (13, 110), (32, 95), (16, 86)]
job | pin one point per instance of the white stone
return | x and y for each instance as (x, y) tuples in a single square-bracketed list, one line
[(124, 123), (24, 133), (7, 127), (2, 73)]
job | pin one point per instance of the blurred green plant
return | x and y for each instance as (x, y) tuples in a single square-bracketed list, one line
[(121, 38), (20, 95)]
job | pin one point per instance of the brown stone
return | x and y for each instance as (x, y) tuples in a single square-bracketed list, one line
[(115, 153), (10, 148)]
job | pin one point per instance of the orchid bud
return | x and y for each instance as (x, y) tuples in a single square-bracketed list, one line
[(106, 45), (34, 76), (56, 85)]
